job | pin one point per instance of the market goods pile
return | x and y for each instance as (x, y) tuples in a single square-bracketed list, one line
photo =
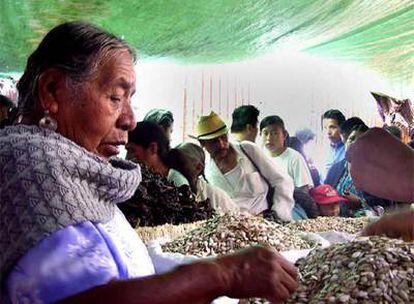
[(228, 233), (324, 224), (166, 231), (367, 270)]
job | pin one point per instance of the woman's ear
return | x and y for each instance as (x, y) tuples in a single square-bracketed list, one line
[(50, 83)]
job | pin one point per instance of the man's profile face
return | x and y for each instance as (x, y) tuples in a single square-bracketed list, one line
[(217, 147), (331, 130)]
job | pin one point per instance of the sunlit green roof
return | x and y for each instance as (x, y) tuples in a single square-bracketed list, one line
[(379, 34)]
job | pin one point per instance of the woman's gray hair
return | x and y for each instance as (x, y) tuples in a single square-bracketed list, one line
[(77, 48)]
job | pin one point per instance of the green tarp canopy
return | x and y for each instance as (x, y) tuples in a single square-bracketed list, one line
[(378, 34)]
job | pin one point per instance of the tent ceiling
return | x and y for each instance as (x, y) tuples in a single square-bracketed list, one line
[(377, 34)]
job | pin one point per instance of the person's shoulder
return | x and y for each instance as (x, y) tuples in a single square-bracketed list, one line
[(339, 165), (293, 152), (250, 146), (177, 178), (294, 155)]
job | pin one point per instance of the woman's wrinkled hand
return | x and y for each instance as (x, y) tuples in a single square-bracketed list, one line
[(396, 225), (259, 272)]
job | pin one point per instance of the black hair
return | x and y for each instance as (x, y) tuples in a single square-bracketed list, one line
[(346, 127), (359, 128), (334, 114), (147, 132), (243, 116), (272, 120), (160, 116), (76, 48), (394, 130)]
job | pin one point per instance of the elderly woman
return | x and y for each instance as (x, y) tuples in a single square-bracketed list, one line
[(62, 235)]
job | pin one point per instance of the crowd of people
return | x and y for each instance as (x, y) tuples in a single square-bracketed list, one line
[(68, 205), (255, 166)]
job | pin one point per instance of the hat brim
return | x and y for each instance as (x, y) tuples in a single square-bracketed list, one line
[(332, 200), (210, 136)]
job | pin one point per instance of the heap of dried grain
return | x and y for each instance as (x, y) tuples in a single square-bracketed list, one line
[(325, 224), (228, 233), (166, 232), (366, 270)]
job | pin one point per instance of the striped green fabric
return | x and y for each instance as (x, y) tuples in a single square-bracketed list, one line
[(378, 34)]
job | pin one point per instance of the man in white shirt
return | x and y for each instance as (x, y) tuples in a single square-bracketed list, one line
[(244, 171), (274, 135)]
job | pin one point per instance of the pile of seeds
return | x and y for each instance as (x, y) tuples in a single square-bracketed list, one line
[(366, 270), (166, 231), (325, 224), (228, 233)]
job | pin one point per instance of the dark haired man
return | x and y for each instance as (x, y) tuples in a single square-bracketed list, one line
[(244, 123), (274, 136), (331, 120), (346, 127)]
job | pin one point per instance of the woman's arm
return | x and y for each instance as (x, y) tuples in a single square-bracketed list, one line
[(382, 165), (396, 225), (257, 272), (195, 283)]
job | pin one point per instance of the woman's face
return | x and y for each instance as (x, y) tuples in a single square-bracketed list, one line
[(139, 153), (273, 138), (98, 114)]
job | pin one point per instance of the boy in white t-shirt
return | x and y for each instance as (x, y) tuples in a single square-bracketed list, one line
[(274, 135)]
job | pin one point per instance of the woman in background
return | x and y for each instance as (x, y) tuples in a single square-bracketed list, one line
[(149, 145)]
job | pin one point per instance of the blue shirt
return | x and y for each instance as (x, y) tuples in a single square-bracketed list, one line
[(336, 153), (346, 185)]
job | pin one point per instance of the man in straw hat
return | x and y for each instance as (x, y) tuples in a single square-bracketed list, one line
[(243, 171)]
